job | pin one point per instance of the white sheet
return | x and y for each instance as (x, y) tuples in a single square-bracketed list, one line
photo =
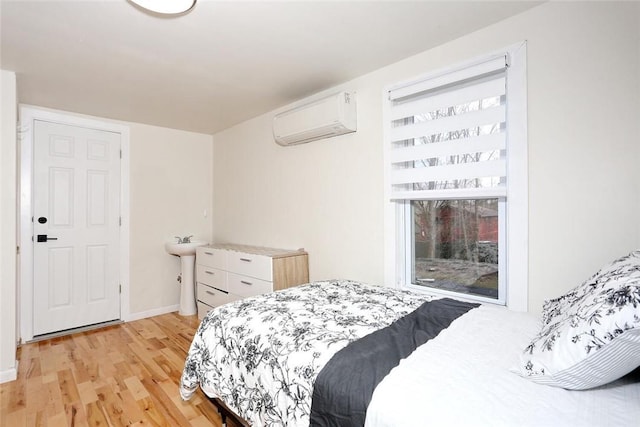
[(463, 378)]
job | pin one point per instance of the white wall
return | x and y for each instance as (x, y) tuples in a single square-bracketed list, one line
[(8, 224), (584, 142), (171, 174), (584, 195), (323, 196)]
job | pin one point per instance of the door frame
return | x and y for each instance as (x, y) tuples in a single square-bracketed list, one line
[(28, 115)]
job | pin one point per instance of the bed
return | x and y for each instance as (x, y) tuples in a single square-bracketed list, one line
[(310, 356)]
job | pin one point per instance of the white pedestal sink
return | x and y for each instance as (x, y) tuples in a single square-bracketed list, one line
[(187, 254)]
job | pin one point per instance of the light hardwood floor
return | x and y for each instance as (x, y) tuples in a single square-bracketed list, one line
[(122, 375)]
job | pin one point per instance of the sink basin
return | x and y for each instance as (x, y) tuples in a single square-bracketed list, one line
[(184, 249)]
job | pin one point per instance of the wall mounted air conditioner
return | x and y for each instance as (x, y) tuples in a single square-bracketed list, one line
[(322, 118)]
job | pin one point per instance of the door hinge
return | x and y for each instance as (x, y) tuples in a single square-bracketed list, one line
[(120, 153), (120, 288), (18, 250)]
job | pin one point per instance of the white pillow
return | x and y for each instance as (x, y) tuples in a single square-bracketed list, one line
[(591, 335)]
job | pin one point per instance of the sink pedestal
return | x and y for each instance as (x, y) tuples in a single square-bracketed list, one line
[(187, 288), (187, 253)]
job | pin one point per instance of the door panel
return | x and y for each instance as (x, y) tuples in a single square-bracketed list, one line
[(60, 277), (76, 188), (61, 193), (97, 191), (97, 259)]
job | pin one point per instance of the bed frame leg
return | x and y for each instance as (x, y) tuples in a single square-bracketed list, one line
[(225, 413)]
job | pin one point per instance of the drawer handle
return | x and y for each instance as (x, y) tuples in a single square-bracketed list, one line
[(213, 293), (246, 283), (208, 253), (245, 259), (209, 272)]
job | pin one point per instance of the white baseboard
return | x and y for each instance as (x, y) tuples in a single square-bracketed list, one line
[(150, 313), (9, 374)]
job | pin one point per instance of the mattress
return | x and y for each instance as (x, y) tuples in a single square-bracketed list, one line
[(264, 358), (465, 377)]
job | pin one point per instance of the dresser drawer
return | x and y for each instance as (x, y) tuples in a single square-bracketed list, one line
[(214, 258), (203, 309), (212, 277), (211, 296), (245, 264), (245, 286)]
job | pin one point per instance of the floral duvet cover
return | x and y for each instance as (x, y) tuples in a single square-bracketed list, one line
[(261, 355)]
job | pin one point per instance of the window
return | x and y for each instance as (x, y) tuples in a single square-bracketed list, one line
[(456, 244), (456, 177)]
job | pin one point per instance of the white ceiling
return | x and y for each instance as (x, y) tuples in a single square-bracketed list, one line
[(220, 64)]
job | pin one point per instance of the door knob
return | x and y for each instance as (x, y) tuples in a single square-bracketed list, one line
[(45, 238)]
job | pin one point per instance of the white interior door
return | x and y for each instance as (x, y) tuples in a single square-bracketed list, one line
[(76, 215)]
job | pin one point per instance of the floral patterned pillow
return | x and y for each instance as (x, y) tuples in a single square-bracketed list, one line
[(591, 335)]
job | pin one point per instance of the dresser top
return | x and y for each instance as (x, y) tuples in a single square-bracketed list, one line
[(257, 250)]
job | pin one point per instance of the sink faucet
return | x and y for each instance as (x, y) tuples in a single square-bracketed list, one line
[(185, 239)]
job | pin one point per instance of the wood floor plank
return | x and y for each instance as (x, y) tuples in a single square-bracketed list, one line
[(87, 393), (208, 410), (35, 419), (75, 414), (152, 414), (59, 419), (121, 375), (114, 408), (164, 403), (47, 363), (136, 388), (81, 372), (95, 416), (36, 395), (131, 409), (16, 418), (54, 399), (68, 388)]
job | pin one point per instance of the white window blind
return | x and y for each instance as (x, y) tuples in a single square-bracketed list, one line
[(447, 135)]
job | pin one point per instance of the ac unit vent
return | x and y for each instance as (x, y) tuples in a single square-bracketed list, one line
[(323, 118)]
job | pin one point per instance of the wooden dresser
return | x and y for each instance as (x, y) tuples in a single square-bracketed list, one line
[(227, 272)]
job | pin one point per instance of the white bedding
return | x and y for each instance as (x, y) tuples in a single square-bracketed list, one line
[(463, 377)]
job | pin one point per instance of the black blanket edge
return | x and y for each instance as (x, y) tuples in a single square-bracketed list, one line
[(344, 387)]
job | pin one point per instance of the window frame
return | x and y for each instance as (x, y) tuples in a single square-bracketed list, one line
[(513, 217)]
